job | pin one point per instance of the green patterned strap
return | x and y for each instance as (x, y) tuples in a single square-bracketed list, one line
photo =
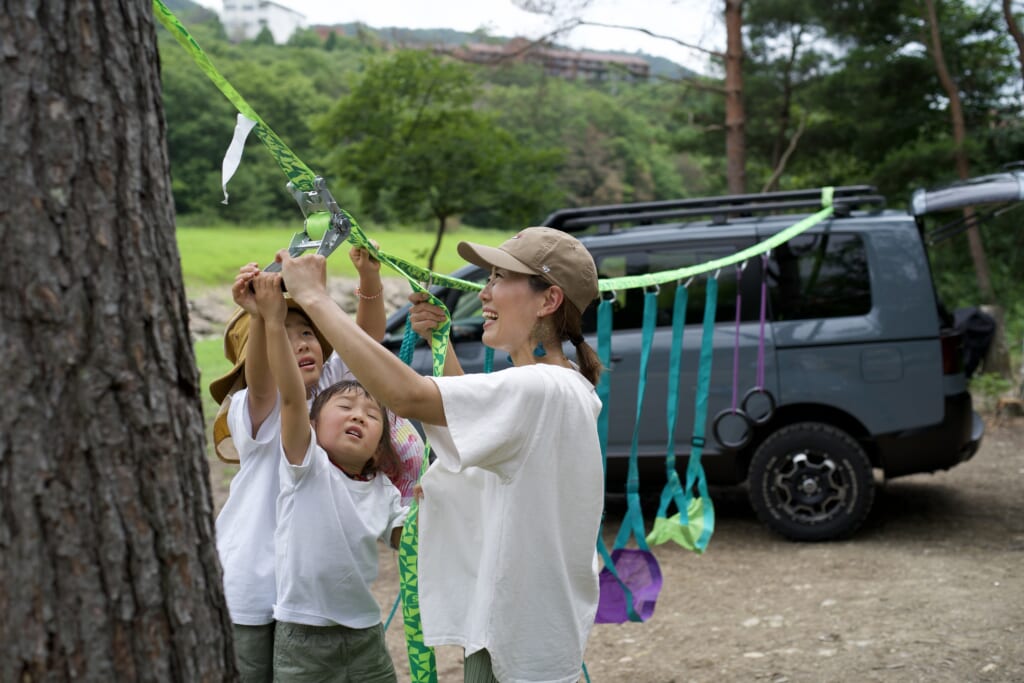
[(422, 663), (298, 173)]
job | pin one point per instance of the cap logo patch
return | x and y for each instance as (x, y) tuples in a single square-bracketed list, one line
[(545, 269)]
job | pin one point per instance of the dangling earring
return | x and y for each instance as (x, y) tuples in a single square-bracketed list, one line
[(538, 351)]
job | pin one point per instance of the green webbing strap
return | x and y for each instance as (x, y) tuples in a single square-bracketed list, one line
[(421, 658), (651, 279), (422, 663), (604, 354), (296, 171), (633, 522)]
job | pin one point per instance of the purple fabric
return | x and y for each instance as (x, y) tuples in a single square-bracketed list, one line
[(639, 570), (760, 336), (736, 342)]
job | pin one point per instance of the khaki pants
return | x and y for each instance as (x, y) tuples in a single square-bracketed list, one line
[(478, 668), (331, 654), (254, 652)]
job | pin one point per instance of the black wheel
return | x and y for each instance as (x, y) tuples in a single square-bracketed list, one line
[(811, 482)]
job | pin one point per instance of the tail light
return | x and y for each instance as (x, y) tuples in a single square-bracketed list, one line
[(952, 353)]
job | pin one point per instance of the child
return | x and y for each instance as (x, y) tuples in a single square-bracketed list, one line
[(518, 594), (332, 510), (246, 524)]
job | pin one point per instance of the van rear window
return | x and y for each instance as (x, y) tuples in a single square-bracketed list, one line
[(819, 276)]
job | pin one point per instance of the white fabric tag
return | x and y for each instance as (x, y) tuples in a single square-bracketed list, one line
[(233, 157)]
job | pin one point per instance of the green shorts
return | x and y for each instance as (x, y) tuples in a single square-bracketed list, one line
[(477, 668), (331, 654), (254, 652)]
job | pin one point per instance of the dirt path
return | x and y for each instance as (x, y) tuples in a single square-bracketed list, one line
[(931, 589)]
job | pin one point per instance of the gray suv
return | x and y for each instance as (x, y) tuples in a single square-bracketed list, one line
[(861, 364)]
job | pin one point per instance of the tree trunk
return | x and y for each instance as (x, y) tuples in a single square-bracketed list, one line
[(735, 117), (108, 566), (960, 154), (438, 236), (1015, 31)]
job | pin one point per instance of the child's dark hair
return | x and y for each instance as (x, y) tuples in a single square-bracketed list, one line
[(385, 459)]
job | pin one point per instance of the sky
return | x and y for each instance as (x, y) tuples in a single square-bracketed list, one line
[(697, 22)]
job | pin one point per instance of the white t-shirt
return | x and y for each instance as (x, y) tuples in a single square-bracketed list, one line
[(509, 521), (328, 525), (246, 523)]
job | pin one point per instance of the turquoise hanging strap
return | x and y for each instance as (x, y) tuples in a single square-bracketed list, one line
[(604, 353), (633, 522), (703, 521), (666, 529)]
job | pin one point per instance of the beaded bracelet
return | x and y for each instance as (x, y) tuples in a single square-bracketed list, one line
[(362, 296)]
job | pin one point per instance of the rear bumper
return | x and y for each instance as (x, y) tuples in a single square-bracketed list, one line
[(938, 447)]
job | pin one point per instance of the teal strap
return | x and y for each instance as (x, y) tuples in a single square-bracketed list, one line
[(673, 490), (694, 471), (633, 522), (604, 354)]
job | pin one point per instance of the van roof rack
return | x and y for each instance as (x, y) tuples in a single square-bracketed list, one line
[(845, 199)]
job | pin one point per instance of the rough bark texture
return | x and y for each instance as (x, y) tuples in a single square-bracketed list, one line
[(735, 115), (108, 567)]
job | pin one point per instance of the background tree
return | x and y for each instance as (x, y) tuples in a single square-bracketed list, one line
[(570, 14), (1014, 27), (108, 567), (409, 137)]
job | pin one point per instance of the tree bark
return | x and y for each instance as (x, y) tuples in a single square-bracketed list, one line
[(108, 566), (959, 153), (735, 116), (1018, 36)]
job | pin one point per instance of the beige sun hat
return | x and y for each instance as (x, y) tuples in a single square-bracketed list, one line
[(555, 256), (236, 341)]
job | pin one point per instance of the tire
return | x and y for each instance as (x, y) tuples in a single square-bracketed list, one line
[(811, 482)]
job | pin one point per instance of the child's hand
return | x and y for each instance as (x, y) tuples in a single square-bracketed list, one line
[(269, 297), (365, 263), (241, 291), (425, 317), (417, 492)]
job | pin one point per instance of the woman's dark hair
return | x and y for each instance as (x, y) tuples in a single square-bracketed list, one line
[(385, 459), (568, 324)]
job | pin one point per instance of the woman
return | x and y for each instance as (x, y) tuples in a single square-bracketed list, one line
[(512, 506)]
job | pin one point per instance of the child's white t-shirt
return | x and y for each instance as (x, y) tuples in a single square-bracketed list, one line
[(246, 523), (509, 520), (328, 525)]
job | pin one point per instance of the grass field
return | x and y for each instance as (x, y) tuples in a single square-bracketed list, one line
[(211, 256)]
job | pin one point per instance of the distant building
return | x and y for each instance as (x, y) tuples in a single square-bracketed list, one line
[(244, 19), (568, 64)]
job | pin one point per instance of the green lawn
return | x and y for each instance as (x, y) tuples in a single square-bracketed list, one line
[(212, 256)]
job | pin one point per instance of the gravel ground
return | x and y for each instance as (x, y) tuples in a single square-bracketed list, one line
[(931, 589)]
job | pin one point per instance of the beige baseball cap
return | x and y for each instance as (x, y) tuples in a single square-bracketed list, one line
[(555, 256), (236, 343)]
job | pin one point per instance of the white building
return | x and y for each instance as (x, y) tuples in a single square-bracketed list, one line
[(244, 19)]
